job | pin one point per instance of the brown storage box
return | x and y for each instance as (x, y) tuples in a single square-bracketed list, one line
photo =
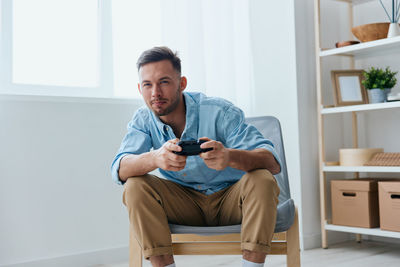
[(389, 205), (355, 203)]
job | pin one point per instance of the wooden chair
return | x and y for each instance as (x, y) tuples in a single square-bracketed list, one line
[(225, 240), (283, 243)]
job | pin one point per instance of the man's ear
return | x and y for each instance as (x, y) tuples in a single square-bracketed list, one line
[(138, 87), (183, 83)]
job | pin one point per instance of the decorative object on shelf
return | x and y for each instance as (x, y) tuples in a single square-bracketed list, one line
[(346, 43), (371, 32), (393, 97), (348, 87), (394, 29), (384, 159), (356, 156), (378, 95), (379, 83)]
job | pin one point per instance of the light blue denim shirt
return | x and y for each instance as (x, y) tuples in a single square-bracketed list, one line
[(211, 117)]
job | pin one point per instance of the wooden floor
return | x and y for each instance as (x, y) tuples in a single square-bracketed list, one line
[(349, 254)]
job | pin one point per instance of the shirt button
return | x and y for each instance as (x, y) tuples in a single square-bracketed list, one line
[(199, 187), (184, 174)]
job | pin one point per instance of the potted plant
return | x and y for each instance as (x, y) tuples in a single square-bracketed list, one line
[(379, 83)]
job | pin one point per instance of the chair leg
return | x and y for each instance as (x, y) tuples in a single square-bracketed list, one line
[(293, 244), (135, 251)]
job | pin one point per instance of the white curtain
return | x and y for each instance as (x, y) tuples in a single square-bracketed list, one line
[(214, 42)]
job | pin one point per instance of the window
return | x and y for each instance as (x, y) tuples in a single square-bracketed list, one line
[(55, 42), (89, 48), (74, 47), (136, 26)]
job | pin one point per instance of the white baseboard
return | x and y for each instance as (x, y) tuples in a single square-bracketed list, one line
[(86, 259), (311, 241)]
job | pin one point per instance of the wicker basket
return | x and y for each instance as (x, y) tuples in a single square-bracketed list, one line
[(384, 159)]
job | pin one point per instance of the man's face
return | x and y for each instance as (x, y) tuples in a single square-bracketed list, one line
[(161, 87)]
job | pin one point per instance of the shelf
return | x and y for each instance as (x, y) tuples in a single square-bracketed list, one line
[(363, 231), (361, 169), (364, 107), (382, 46), (355, 2)]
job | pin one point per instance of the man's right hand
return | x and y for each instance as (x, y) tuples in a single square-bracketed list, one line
[(165, 159)]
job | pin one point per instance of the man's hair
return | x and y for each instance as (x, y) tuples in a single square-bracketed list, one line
[(159, 53)]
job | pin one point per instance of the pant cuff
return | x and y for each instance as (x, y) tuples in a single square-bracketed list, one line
[(256, 247), (147, 253)]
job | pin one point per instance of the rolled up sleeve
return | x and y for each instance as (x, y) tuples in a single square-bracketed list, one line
[(136, 141), (240, 135)]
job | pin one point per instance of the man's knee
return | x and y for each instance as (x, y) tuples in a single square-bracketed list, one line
[(260, 181), (136, 188)]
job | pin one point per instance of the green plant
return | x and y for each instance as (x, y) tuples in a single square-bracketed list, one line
[(378, 78)]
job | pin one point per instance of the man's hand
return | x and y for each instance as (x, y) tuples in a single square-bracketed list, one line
[(165, 159), (221, 157), (218, 158)]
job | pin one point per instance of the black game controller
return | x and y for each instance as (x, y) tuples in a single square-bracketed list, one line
[(191, 147)]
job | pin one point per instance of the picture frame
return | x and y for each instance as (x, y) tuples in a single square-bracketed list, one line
[(348, 89)]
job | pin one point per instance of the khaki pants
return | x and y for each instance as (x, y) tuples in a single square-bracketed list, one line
[(152, 203)]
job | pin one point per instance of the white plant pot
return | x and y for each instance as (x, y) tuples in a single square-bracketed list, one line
[(378, 95), (394, 30)]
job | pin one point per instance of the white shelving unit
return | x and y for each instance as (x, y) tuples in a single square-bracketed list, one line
[(365, 107), (383, 46), (354, 2), (363, 231), (360, 169), (363, 50)]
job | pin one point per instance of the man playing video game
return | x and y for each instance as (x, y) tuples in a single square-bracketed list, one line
[(231, 183)]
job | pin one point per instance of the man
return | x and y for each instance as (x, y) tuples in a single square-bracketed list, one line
[(231, 184)]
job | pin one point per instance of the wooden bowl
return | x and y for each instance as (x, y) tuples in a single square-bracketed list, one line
[(371, 32)]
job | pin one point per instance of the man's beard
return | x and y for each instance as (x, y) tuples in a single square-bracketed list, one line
[(171, 107)]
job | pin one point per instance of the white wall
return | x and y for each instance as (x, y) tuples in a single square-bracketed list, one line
[(56, 193), (274, 52), (307, 123), (275, 77)]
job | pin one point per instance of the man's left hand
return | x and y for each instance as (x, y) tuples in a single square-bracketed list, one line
[(218, 158)]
